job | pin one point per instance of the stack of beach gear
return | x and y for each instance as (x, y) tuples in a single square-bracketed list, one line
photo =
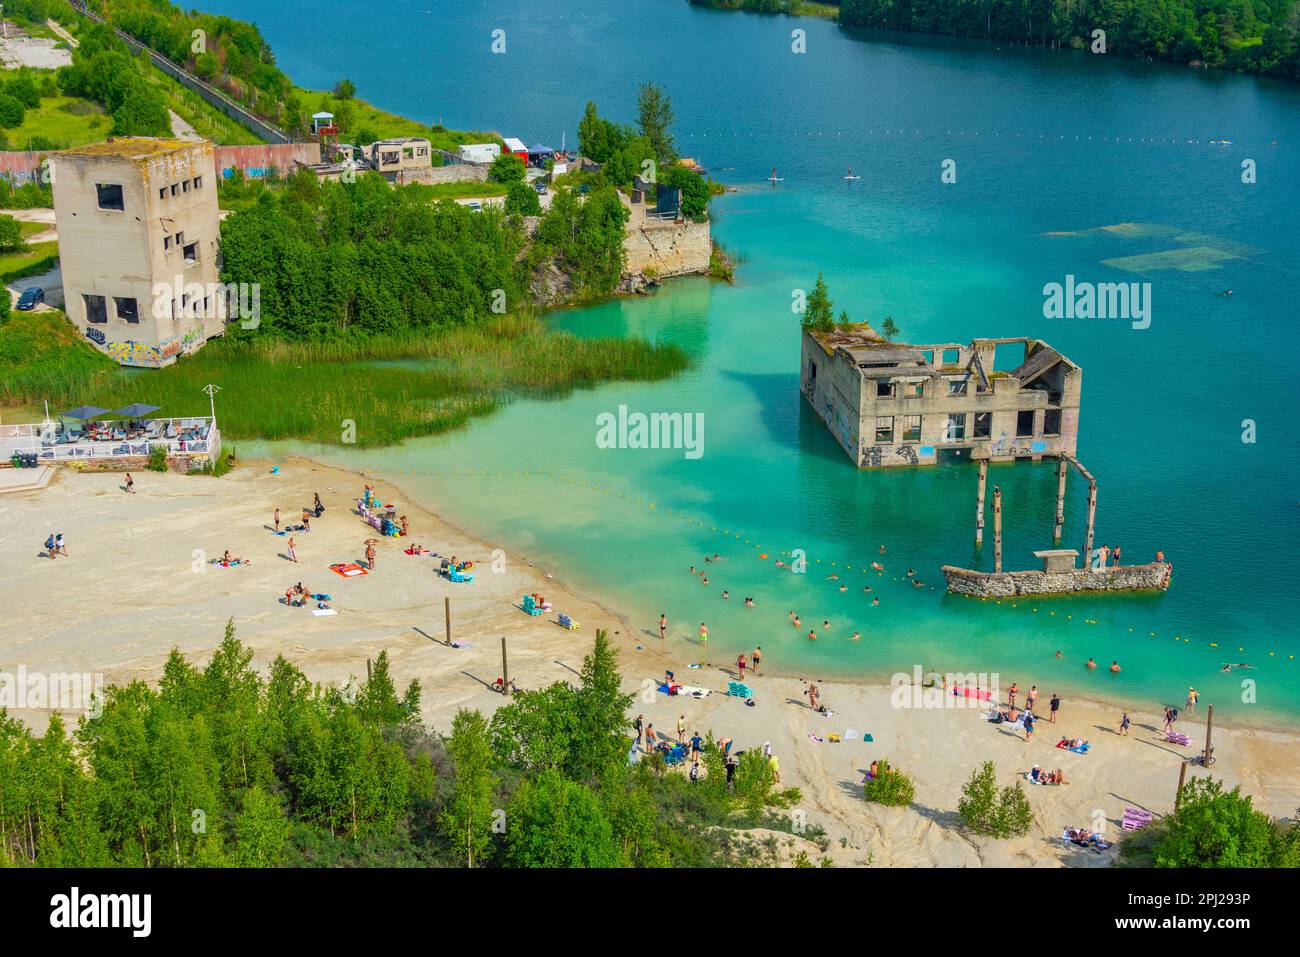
[(738, 689), (530, 605), (567, 622)]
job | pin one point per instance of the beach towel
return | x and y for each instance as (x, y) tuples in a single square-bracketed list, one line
[(1177, 737), (813, 737), (1094, 842), (322, 597), (692, 691), (1081, 749), (833, 738), (348, 569), (867, 739), (972, 693), (323, 611)]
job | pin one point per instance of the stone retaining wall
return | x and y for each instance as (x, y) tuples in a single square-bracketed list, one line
[(669, 249), (964, 581)]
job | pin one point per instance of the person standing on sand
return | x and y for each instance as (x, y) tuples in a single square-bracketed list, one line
[(757, 659), (1011, 695), (704, 633), (1054, 705), (293, 555), (1123, 724), (740, 664), (370, 557), (663, 627), (276, 519), (1029, 726), (1033, 697), (773, 764), (639, 725), (812, 696), (130, 484), (649, 738), (317, 507), (681, 729)]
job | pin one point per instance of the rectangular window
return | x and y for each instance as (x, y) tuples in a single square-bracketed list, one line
[(954, 429), (956, 386), (1052, 422), (915, 389), (951, 356), (110, 196), (178, 238), (128, 310), (162, 192), (191, 253), (176, 188), (983, 425), (185, 186), (913, 431), (167, 243), (96, 308), (885, 429), (1024, 424), (884, 388)]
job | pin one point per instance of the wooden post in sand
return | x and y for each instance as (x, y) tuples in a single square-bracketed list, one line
[(505, 671), (1182, 775), (446, 603), (997, 529), (979, 502), (1209, 728), (1060, 499), (368, 671)]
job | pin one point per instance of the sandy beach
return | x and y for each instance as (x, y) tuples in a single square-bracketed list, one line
[(137, 582)]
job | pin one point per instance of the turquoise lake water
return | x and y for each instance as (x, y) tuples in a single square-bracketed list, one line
[(1050, 147)]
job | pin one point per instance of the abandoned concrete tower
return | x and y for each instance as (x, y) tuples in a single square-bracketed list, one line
[(894, 404)]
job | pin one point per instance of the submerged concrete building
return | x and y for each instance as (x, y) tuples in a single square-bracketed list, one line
[(892, 404), (138, 244)]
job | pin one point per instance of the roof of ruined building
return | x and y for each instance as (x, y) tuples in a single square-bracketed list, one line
[(134, 148)]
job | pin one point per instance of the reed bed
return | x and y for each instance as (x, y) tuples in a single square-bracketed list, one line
[(339, 391)]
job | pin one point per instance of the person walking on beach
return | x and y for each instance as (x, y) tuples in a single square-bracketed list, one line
[(1011, 695), (773, 764), (1054, 706), (130, 484), (1123, 724), (1029, 726), (293, 554), (370, 557), (1192, 696), (697, 747), (639, 725), (649, 737), (663, 627), (740, 665), (59, 545), (756, 659), (317, 507)]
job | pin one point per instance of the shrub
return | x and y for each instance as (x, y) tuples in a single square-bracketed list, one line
[(11, 111), (989, 812), (1217, 828), (507, 168), (890, 787), (522, 199), (157, 458)]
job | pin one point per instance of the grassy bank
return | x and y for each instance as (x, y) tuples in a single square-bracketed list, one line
[(32, 261), (392, 388)]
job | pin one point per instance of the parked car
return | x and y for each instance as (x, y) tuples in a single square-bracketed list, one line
[(540, 187), (31, 296), (475, 206)]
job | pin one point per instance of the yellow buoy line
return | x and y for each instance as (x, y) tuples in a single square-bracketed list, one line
[(739, 536)]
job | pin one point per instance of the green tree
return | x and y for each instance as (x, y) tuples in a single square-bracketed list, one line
[(261, 831), (655, 117), (11, 235), (889, 328), (521, 200), (467, 818), (819, 310), (507, 168), (991, 813), (11, 111), (554, 822), (345, 89), (695, 191), (1216, 828), (601, 726)]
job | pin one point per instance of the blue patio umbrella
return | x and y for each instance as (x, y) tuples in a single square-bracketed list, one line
[(84, 412), (136, 410)]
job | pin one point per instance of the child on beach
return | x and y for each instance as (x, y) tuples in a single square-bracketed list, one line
[(1123, 724), (293, 554), (130, 484)]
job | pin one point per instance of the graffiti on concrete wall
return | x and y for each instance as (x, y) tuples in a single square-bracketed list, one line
[(95, 335)]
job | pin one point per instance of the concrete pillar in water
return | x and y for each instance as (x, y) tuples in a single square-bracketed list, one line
[(1060, 499), (979, 504), (1092, 519), (997, 529)]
